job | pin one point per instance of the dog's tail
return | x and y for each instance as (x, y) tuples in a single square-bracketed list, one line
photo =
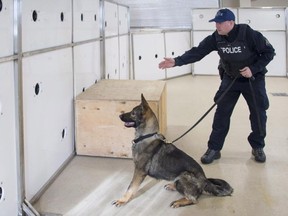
[(218, 187)]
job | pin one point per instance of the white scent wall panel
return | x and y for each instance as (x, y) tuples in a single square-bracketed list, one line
[(110, 19), (263, 19), (86, 20), (124, 57), (123, 16), (46, 23), (277, 67), (8, 172), (209, 64), (112, 58), (148, 51), (86, 65), (176, 44), (6, 27), (201, 17), (48, 116)]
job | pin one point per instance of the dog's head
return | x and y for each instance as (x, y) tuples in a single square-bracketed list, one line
[(138, 115)]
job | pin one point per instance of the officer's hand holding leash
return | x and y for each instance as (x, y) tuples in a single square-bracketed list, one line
[(247, 73)]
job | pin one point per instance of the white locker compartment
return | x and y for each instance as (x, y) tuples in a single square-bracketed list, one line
[(209, 64), (110, 19), (86, 20), (112, 58), (86, 66), (201, 17), (263, 18), (48, 116), (124, 66), (277, 67), (123, 14), (176, 44), (148, 52), (8, 171), (46, 23), (6, 28)]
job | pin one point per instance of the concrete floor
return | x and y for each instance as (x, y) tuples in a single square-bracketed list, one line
[(89, 184)]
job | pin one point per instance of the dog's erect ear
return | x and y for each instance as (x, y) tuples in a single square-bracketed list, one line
[(143, 101)]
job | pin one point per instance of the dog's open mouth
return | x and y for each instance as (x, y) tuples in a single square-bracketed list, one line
[(129, 124)]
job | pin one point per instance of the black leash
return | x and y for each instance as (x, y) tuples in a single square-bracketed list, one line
[(256, 107), (205, 114), (219, 99)]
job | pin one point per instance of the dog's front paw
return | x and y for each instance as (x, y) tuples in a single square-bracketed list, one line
[(182, 202), (175, 204), (119, 203)]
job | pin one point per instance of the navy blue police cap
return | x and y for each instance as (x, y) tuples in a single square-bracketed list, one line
[(223, 15)]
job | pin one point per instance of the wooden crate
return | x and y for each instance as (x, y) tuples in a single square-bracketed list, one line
[(99, 130)]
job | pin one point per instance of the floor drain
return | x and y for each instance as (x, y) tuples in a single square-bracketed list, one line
[(281, 94)]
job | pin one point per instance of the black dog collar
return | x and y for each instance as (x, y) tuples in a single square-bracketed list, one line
[(135, 141)]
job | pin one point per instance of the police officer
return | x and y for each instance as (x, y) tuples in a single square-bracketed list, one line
[(244, 54)]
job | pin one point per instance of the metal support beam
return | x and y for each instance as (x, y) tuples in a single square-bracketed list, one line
[(19, 104)]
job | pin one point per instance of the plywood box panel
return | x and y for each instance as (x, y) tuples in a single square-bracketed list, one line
[(99, 131)]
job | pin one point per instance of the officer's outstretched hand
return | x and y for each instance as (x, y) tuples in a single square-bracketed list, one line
[(167, 63)]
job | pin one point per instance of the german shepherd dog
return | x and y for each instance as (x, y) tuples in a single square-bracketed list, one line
[(154, 157)]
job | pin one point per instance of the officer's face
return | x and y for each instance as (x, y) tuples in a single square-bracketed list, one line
[(224, 28)]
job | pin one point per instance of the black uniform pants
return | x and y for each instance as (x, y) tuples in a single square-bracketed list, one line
[(221, 122)]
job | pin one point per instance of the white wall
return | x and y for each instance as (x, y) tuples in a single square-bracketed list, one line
[(8, 171), (61, 49), (59, 61), (8, 132), (116, 41)]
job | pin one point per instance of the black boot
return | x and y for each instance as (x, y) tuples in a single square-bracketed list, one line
[(210, 155), (259, 155)]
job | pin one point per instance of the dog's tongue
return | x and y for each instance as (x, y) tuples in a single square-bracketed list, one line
[(129, 124)]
